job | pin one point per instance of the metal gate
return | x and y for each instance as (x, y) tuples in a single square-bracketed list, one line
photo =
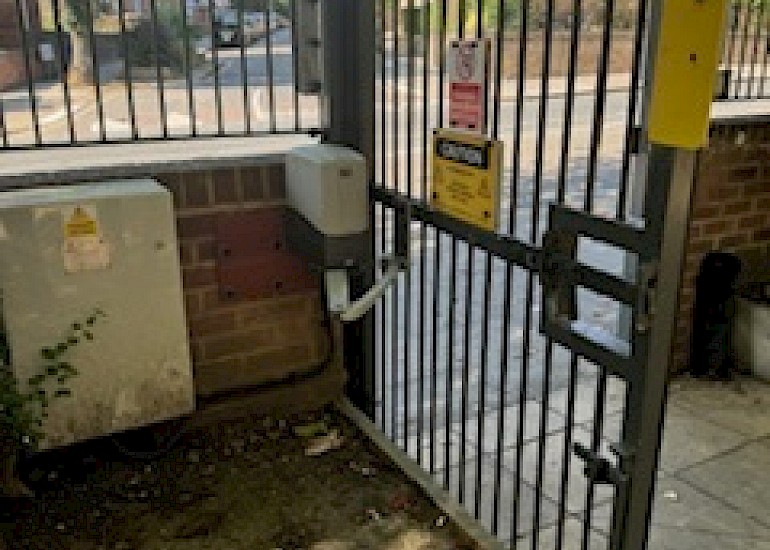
[(524, 369)]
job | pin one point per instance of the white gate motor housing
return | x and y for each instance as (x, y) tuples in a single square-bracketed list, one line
[(328, 222)]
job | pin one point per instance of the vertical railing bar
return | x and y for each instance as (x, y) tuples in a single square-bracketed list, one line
[(766, 55), (396, 181), (601, 101), (158, 70), (462, 14), (567, 450), (434, 347), (188, 69), (63, 68), (3, 129), (755, 50), (129, 82), (409, 175), (394, 355), (541, 443), (596, 437), (383, 182), (521, 425), (734, 13), (744, 43), (244, 69), (498, 79), (466, 368), (270, 67), (484, 350), (450, 360), (560, 197), (28, 73), (442, 62), (519, 116), (423, 229), (497, 485), (483, 381), (570, 99), (515, 179), (215, 66), (95, 70), (534, 232), (295, 65), (633, 94)]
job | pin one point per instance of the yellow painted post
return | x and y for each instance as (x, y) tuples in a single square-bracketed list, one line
[(686, 63)]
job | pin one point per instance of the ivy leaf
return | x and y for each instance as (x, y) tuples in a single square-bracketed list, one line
[(48, 354), (91, 320), (52, 370), (36, 380), (72, 341), (67, 367), (63, 392), (61, 347), (89, 335), (76, 326)]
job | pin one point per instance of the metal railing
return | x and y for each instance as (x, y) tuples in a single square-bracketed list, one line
[(80, 71), (746, 55), (467, 384)]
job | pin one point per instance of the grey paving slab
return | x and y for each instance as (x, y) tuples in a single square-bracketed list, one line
[(527, 498), (742, 405), (678, 506), (572, 538), (689, 440), (585, 399), (553, 469), (740, 478), (532, 421)]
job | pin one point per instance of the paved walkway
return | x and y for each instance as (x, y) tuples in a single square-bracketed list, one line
[(713, 490)]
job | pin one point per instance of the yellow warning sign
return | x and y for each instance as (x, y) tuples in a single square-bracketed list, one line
[(80, 222), (686, 63), (466, 177)]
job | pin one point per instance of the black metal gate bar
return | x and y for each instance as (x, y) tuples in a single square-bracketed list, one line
[(127, 72), (755, 50), (158, 70), (25, 48)]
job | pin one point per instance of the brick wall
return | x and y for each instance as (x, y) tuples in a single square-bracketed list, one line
[(730, 213), (243, 342), (13, 71)]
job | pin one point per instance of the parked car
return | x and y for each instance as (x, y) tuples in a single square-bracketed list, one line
[(227, 29)]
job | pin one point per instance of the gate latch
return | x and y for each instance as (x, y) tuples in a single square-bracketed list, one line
[(598, 469)]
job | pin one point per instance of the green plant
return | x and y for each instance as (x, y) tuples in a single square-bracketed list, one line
[(23, 411), (164, 40)]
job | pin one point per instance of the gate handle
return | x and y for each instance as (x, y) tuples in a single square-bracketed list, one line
[(361, 307)]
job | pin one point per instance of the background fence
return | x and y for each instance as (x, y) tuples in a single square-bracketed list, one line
[(85, 71), (747, 48)]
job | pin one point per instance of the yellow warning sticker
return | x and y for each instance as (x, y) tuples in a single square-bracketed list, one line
[(466, 177), (80, 221)]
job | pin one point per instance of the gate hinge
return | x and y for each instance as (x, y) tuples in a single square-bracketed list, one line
[(599, 469), (648, 283)]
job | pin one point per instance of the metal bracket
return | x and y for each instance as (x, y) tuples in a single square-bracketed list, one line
[(599, 469), (647, 285), (392, 267)]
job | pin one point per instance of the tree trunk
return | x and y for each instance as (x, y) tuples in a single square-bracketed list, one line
[(82, 61)]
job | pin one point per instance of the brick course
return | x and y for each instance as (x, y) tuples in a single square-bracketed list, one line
[(730, 213), (246, 342)]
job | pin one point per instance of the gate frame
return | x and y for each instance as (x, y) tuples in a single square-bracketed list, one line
[(348, 37)]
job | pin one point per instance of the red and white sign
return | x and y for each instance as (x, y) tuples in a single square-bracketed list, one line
[(467, 68)]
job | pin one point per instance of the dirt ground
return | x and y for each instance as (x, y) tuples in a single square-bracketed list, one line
[(238, 485)]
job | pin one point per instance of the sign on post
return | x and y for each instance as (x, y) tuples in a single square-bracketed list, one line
[(468, 73), (466, 177)]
